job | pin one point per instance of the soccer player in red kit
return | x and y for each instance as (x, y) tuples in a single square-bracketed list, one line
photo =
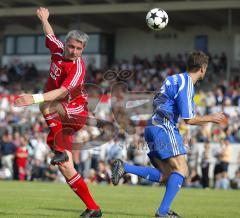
[(21, 158), (64, 104)]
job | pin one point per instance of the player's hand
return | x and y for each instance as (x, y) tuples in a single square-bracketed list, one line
[(219, 118), (24, 100), (42, 13)]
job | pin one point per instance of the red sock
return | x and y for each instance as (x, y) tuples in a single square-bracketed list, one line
[(78, 185), (54, 139), (21, 176)]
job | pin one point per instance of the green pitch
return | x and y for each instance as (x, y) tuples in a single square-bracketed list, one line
[(43, 200)]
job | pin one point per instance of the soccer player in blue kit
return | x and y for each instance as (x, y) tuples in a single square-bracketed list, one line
[(167, 151)]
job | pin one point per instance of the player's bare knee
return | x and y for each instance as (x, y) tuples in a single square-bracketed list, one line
[(53, 106), (43, 107), (67, 168), (185, 168), (47, 107), (64, 167), (182, 169), (178, 164)]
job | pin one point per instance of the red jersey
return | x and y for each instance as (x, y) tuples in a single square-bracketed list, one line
[(21, 156), (65, 73)]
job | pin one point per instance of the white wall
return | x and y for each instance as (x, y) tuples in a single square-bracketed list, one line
[(130, 41), (144, 44)]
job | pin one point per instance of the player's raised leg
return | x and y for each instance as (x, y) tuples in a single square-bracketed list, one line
[(119, 169), (53, 113)]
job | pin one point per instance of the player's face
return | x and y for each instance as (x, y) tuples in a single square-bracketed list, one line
[(73, 49)]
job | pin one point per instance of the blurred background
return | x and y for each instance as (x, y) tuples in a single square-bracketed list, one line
[(122, 50)]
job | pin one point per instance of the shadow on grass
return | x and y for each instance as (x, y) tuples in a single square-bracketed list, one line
[(24, 214), (120, 213), (105, 212), (62, 209)]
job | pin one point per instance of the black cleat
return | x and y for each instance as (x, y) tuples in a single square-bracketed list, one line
[(59, 157), (117, 171), (91, 213), (170, 214)]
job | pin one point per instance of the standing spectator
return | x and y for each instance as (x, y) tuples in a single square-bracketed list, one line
[(219, 95), (210, 101), (193, 154), (85, 154), (205, 165), (5, 173), (114, 151), (8, 149), (221, 168), (225, 156), (21, 158), (40, 151), (4, 76), (17, 138)]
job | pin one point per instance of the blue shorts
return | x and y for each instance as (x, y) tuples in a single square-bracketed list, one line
[(164, 141)]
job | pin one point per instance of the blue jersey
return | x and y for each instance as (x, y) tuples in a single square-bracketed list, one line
[(174, 99)]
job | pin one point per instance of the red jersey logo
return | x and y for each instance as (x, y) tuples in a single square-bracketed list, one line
[(55, 71)]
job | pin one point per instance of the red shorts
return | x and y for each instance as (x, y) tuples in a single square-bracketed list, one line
[(75, 119), (76, 115)]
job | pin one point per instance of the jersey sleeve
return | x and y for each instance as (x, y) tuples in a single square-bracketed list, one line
[(184, 99), (54, 44), (75, 78)]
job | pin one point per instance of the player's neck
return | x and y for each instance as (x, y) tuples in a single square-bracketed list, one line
[(194, 77)]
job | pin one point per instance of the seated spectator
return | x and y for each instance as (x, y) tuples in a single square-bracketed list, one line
[(222, 181), (103, 173), (235, 183), (91, 177), (51, 173), (194, 180)]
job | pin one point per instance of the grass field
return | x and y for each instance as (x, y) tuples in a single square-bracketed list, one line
[(24, 200)]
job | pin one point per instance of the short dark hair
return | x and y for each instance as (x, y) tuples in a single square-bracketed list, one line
[(196, 60)]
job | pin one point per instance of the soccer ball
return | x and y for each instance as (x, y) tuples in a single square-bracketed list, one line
[(157, 19)]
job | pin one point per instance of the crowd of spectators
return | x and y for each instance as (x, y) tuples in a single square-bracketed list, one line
[(25, 155)]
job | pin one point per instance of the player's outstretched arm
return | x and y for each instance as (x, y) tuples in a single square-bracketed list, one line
[(213, 118), (43, 15), (28, 99)]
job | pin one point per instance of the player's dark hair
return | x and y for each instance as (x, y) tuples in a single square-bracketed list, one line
[(196, 60)]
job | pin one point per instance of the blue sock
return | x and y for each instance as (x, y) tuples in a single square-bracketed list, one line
[(174, 183), (148, 173)]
